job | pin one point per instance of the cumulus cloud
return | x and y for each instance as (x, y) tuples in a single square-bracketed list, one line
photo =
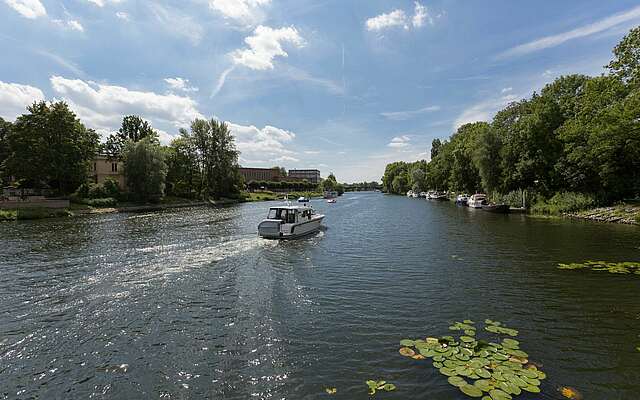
[(264, 45), (102, 106), (244, 11), (268, 143), (420, 16), (399, 142), (404, 115), (14, 98), (72, 24), (398, 18), (388, 20), (180, 84), (28, 8)]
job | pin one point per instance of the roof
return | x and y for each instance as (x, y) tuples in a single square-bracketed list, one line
[(291, 207)]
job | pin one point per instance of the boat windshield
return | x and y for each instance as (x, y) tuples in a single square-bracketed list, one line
[(275, 213)]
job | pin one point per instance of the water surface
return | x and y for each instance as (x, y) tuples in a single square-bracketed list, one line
[(190, 304)]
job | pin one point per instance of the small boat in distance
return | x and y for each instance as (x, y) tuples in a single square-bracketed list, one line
[(477, 200), (289, 222), (303, 199), (331, 201), (462, 199), (442, 196), (496, 208)]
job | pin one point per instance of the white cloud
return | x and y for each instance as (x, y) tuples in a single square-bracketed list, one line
[(266, 44), (72, 24), (102, 106), (507, 89), (284, 159), (483, 111), (404, 115), (256, 144), (14, 98), (102, 3), (388, 20), (420, 15), (180, 84), (311, 152), (28, 8), (244, 11), (177, 23), (586, 30), (123, 16), (399, 142)]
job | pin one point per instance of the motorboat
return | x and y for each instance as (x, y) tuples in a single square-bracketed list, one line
[(332, 201), (496, 208), (423, 195), (462, 199), (290, 222), (437, 196), (411, 193), (477, 200), (303, 199)]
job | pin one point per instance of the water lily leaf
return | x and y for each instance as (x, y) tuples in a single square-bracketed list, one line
[(471, 391), (407, 343), (457, 381), (497, 394), (467, 339), (510, 343), (470, 332), (483, 384), (418, 357), (331, 390), (468, 321), (483, 373), (532, 389), (372, 384), (570, 393), (407, 352), (432, 340), (448, 371)]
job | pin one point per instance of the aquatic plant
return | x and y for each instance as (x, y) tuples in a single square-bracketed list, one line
[(331, 390), (379, 385), (611, 267), (480, 368), (570, 393)]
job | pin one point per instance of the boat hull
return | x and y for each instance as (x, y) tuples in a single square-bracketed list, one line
[(496, 208), (275, 229)]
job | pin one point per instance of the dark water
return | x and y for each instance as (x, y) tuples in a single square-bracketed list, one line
[(190, 304)]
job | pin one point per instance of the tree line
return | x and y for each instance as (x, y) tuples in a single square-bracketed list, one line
[(49, 148), (580, 135)]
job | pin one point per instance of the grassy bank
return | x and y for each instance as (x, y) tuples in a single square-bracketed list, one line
[(33, 213), (622, 214)]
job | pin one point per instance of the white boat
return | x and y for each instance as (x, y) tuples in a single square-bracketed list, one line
[(410, 193), (289, 222), (462, 199), (303, 199), (477, 200)]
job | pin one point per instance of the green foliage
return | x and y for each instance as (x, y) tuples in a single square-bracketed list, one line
[(111, 188), (564, 202), (4, 148), (41, 213), (8, 215), (49, 147), (145, 170), (133, 129), (579, 134), (101, 202)]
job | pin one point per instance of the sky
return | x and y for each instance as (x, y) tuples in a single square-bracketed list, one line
[(344, 86)]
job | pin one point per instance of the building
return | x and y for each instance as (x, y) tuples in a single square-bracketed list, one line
[(104, 167), (260, 174), (311, 175)]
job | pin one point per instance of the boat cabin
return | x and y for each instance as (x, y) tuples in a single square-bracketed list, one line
[(290, 215)]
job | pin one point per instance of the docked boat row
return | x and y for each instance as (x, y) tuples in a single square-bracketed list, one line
[(478, 200)]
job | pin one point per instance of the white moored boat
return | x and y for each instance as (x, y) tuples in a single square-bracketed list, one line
[(477, 200), (289, 222)]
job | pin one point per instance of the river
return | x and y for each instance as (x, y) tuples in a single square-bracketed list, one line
[(190, 304)]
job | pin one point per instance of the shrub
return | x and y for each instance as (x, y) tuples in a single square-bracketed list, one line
[(564, 202), (8, 215), (103, 202), (40, 213), (111, 188), (96, 191)]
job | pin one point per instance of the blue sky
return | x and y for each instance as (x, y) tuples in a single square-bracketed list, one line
[(342, 86)]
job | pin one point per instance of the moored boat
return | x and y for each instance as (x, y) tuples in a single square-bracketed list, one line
[(477, 200), (496, 208), (290, 222), (303, 199), (462, 199)]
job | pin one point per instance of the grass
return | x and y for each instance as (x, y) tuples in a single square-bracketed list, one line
[(564, 202), (8, 215), (33, 213)]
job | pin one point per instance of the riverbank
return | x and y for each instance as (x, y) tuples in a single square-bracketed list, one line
[(620, 214)]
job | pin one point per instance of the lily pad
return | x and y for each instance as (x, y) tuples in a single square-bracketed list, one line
[(407, 352), (407, 343), (471, 391), (331, 390), (497, 394), (457, 381)]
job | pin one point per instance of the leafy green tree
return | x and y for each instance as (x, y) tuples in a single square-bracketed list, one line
[(626, 62), (5, 126), (400, 184), (49, 146), (183, 173), (216, 158), (133, 129), (436, 144), (145, 170)]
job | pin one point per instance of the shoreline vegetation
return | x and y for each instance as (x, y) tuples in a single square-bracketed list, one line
[(573, 148)]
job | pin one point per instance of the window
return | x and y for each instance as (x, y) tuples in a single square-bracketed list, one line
[(95, 166), (114, 167)]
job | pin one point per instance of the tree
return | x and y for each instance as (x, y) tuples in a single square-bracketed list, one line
[(183, 172), (145, 170), (436, 144), (400, 184), (133, 129), (49, 146), (216, 158), (626, 62), (5, 126)]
